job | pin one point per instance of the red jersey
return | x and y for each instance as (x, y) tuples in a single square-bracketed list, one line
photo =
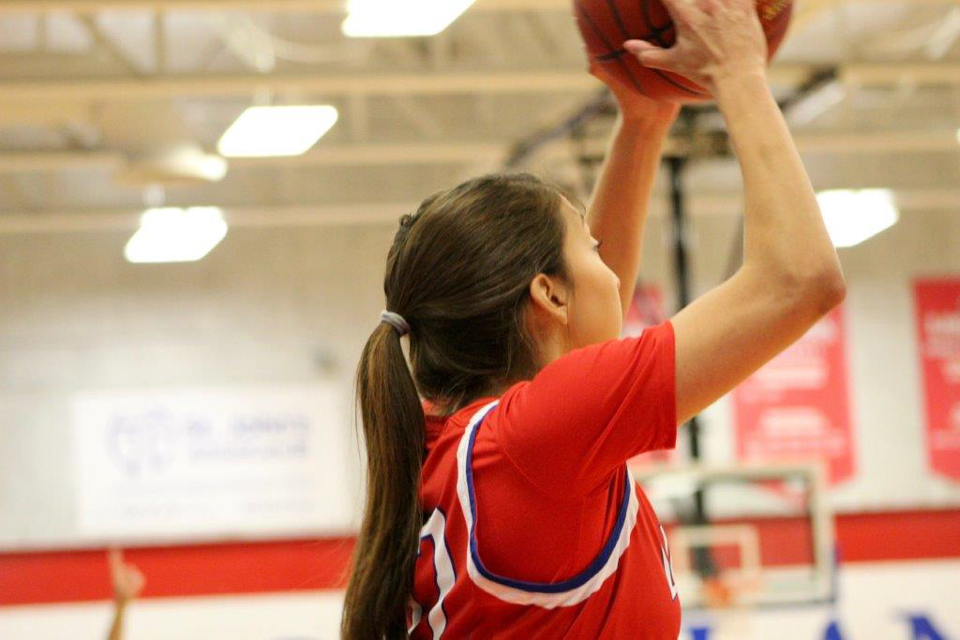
[(535, 527)]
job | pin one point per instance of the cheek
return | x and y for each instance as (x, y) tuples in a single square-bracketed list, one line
[(599, 312), (607, 284), (613, 294)]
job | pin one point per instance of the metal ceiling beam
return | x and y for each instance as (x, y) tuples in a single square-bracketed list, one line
[(120, 220), (281, 215), (492, 153), (918, 74), (879, 142), (50, 161), (162, 87), (266, 6), (296, 6), (323, 155)]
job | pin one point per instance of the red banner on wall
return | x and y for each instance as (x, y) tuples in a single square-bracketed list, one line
[(646, 310), (938, 325), (796, 408)]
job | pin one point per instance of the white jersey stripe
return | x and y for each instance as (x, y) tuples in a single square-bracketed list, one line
[(416, 615)]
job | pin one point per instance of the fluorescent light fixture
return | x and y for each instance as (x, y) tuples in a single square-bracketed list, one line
[(212, 167), (398, 18), (175, 164), (854, 216), (171, 234), (277, 131)]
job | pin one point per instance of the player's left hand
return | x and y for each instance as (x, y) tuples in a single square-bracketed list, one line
[(633, 104)]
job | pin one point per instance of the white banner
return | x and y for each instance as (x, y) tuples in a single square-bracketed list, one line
[(240, 462)]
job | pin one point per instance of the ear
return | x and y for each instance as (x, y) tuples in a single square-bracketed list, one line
[(549, 297)]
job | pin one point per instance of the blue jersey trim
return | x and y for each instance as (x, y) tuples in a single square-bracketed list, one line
[(542, 587)]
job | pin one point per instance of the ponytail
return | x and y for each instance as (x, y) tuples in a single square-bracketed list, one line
[(394, 432)]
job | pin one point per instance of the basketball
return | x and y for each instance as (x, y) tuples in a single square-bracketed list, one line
[(606, 24)]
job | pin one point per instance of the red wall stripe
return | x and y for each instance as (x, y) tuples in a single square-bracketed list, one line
[(902, 535), (305, 565), (228, 568)]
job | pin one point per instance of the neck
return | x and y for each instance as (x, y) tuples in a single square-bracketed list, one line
[(551, 350)]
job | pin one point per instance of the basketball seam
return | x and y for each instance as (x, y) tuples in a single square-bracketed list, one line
[(614, 52), (618, 19), (655, 31), (656, 35), (676, 84)]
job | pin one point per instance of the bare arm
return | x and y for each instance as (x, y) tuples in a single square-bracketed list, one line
[(117, 625), (128, 582), (791, 275), (621, 201)]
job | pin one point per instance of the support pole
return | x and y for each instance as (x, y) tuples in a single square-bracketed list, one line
[(702, 556)]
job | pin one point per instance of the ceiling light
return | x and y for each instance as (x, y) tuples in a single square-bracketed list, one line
[(391, 18), (172, 165), (171, 234), (854, 216), (277, 131)]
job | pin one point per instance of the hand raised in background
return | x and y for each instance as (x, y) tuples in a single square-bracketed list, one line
[(127, 580)]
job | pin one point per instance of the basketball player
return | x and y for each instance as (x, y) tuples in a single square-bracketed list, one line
[(507, 511)]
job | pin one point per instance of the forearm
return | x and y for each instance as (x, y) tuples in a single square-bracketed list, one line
[(116, 627), (618, 212), (784, 229)]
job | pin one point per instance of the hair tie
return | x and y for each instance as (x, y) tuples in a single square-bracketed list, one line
[(396, 321)]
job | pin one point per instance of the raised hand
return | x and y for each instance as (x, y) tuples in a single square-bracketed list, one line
[(716, 39), (127, 580)]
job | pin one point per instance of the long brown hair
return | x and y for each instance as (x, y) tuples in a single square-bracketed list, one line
[(459, 273)]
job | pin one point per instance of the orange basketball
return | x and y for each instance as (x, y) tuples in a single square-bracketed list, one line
[(607, 24)]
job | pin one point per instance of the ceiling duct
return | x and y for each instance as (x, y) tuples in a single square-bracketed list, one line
[(157, 145)]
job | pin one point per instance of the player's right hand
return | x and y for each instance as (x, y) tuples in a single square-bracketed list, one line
[(716, 40)]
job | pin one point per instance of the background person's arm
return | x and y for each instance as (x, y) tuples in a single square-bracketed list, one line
[(128, 582), (618, 211), (791, 274)]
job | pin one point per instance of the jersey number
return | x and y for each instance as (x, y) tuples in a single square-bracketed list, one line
[(444, 574), (667, 565)]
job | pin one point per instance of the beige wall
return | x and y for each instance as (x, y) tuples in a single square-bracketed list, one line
[(273, 305), (267, 306)]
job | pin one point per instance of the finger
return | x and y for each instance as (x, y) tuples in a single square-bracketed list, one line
[(637, 47), (743, 6), (649, 55), (707, 7), (139, 581), (134, 581), (115, 558), (597, 70), (663, 59), (681, 11)]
